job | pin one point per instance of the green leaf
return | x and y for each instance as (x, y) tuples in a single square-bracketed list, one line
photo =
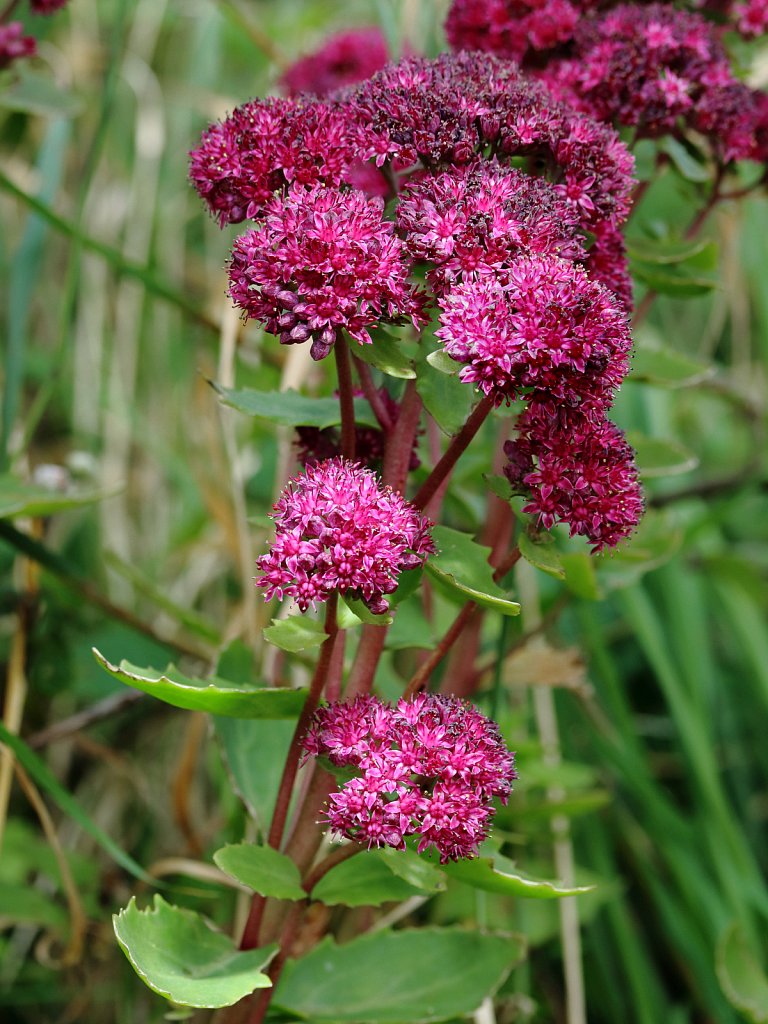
[(216, 696), (290, 409), (656, 364), (410, 628), (364, 880), (254, 752), (441, 361), (386, 354), (542, 553), (261, 868), (499, 485), (24, 904), (462, 565), (45, 778), (670, 251), (20, 499), (741, 977), (412, 868), (36, 93), (362, 612), (423, 974), (684, 162), (580, 575), (657, 457), (296, 633), (446, 398), (179, 956), (672, 282), (497, 874)]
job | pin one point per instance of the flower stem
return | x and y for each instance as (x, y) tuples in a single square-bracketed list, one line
[(459, 443), (370, 392), (250, 938), (346, 396), (292, 924), (400, 441), (422, 673)]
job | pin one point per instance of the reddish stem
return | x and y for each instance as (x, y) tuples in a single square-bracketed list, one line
[(292, 924), (346, 396), (400, 442), (427, 667), (250, 939), (459, 443), (366, 660), (371, 392)]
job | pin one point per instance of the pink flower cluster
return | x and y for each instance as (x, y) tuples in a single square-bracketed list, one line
[(14, 44), (657, 69), (322, 261), (47, 6), (578, 469), (448, 111), (541, 325), (429, 768), (513, 28), (338, 529), (474, 220), (343, 59), (533, 31), (266, 145)]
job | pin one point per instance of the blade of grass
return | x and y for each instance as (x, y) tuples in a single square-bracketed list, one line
[(45, 778)]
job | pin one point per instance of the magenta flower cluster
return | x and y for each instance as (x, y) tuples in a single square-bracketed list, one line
[(344, 59), (320, 262), (428, 768), (541, 325), (528, 270), (532, 31), (659, 70), (513, 28), (266, 145), (338, 529), (14, 44), (578, 469)]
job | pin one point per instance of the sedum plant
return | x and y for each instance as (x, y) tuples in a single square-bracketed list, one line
[(447, 238)]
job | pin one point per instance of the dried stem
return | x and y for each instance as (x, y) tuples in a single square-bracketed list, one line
[(546, 721), (459, 443), (346, 396)]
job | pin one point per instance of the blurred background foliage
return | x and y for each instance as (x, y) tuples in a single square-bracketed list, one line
[(146, 510)]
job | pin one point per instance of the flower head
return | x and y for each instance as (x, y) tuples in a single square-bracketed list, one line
[(448, 111), (512, 28), (472, 221), (47, 6), (343, 59), (543, 325), (578, 469), (339, 529), (322, 261), (428, 767), (659, 69), (14, 44), (265, 145)]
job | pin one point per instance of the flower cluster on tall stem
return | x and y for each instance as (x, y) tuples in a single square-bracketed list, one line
[(428, 767), (339, 530)]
